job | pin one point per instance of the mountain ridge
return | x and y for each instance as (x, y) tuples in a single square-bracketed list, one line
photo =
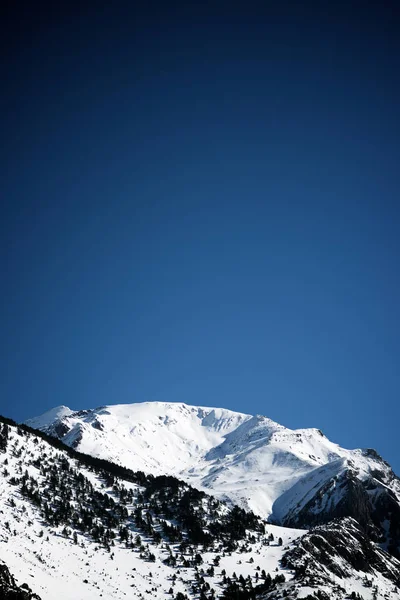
[(293, 477), (78, 526)]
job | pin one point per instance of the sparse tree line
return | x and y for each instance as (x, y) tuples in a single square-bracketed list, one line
[(160, 510)]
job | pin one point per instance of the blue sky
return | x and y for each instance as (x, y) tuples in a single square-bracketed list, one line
[(202, 205)]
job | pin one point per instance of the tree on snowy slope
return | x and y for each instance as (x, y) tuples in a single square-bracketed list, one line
[(3, 437)]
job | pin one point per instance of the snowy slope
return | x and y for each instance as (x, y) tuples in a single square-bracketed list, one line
[(45, 555), (56, 567), (49, 417), (363, 466), (249, 460)]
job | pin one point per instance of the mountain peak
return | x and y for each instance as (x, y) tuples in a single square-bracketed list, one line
[(49, 417), (107, 531), (252, 461)]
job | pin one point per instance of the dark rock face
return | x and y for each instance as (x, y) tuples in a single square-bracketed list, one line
[(372, 453), (82, 413), (338, 547), (370, 502), (97, 425), (9, 589), (60, 429), (77, 440), (387, 508), (354, 502)]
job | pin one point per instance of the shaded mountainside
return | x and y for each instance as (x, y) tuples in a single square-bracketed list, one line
[(296, 478), (78, 526), (63, 495), (329, 554), (340, 490), (73, 518)]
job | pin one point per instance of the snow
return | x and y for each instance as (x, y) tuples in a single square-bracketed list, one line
[(249, 460), (49, 417), (55, 567)]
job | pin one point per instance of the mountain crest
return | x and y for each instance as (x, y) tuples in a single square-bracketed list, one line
[(295, 477)]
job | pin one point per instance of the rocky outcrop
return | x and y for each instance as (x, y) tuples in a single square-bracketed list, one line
[(336, 550), (369, 500), (9, 590)]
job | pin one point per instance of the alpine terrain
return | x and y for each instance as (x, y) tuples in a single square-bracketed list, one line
[(295, 478), (172, 501)]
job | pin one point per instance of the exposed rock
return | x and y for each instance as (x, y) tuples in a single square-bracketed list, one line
[(369, 501), (98, 425), (9, 590), (336, 548), (60, 429)]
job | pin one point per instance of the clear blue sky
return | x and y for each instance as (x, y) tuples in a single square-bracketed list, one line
[(202, 205)]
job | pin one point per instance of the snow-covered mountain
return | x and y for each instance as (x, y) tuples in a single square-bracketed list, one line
[(73, 526), (293, 477)]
